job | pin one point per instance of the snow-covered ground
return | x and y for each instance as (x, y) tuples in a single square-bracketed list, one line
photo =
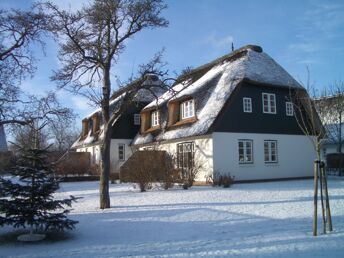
[(247, 220)]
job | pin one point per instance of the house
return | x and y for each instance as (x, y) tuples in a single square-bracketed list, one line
[(123, 129), (232, 115), (331, 143), (332, 114)]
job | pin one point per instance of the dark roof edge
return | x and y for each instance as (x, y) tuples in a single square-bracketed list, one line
[(270, 84), (208, 66)]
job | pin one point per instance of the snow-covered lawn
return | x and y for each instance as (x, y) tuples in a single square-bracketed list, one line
[(247, 220)]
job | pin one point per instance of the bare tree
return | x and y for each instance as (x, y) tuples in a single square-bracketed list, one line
[(40, 115), (331, 111), (306, 114), (18, 30), (91, 41), (63, 134)]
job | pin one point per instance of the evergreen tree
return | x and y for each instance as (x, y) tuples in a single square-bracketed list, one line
[(26, 200)]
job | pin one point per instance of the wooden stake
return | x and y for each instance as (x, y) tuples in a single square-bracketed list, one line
[(315, 214), (322, 200), (328, 209)]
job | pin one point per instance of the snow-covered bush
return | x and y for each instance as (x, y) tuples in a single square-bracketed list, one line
[(221, 179), (75, 164), (147, 167), (227, 180)]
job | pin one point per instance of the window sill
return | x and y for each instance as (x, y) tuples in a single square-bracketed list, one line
[(184, 122), (248, 164), (271, 164), (152, 129)]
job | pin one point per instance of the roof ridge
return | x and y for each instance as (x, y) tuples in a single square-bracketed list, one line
[(233, 55)]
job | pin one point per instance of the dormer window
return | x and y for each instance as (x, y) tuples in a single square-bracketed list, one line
[(84, 127), (187, 109), (154, 118), (96, 122), (90, 125)]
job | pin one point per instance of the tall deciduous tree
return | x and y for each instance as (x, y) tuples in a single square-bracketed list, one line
[(91, 41), (18, 30)]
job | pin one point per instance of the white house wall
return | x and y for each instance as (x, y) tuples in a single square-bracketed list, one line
[(295, 156), (94, 153), (115, 163), (203, 152)]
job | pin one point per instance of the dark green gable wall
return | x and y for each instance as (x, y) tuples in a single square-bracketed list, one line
[(124, 128), (233, 119)]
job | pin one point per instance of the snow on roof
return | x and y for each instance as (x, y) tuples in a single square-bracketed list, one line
[(253, 65), (98, 110), (143, 95)]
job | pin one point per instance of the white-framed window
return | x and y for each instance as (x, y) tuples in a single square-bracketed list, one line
[(187, 109), (289, 109), (270, 151), (137, 119), (155, 118), (247, 105), (269, 103), (185, 157), (121, 152), (245, 151)]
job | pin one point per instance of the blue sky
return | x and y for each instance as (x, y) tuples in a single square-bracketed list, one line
[(295, 33)]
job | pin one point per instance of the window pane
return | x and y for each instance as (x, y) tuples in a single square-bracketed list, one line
[(249, 158), (136, 119), (245, 151), (241, 157), (121, 152)]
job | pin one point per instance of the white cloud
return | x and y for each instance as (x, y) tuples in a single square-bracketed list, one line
[(220, 42), (81, 103), (305, 47), (70, 4), (319, 28)]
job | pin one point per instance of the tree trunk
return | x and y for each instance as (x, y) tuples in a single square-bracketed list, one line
[(328, 209), (105, 170), (105, 149), (315, 214)]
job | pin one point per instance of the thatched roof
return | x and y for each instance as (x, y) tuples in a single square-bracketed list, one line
[(211, 86)]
